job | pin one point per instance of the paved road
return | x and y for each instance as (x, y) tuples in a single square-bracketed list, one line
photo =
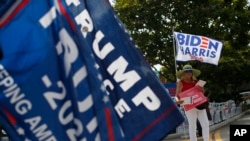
[(221, 131)]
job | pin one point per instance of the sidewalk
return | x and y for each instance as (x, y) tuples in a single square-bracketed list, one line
[(177, 136)]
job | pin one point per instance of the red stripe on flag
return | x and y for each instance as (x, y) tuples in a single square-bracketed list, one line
[(203, 46), (204, 38), (146, 130), (66, 15), (11, 118), (204, 42), (109, 124), (13, 13)]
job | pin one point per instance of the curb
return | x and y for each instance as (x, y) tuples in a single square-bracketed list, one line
[(212, 127)]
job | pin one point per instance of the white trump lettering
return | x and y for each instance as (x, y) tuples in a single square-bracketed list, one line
[(85, 21), (118, 68), (148, 99), (40, 131), (106, 49), (122, 107)]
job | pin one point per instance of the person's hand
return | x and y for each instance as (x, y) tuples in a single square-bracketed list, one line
[(201, 89), (179, 101)]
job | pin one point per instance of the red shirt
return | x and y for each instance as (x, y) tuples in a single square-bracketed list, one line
[(187, 85)]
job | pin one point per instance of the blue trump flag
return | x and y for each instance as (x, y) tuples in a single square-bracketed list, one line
[(69, 71), (145, 110), (49, 90)]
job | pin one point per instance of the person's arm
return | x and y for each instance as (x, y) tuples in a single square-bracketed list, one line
[(178, 90)]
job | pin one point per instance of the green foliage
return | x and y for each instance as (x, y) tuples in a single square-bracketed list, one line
[(151, 24)]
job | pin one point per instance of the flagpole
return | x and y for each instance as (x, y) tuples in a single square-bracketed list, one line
[(175, 64)]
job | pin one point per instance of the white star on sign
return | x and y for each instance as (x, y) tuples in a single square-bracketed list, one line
[(105, 99), (26, 139), (20, 131)]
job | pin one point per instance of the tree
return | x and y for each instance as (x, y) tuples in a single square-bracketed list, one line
[(150, 27), (151, 22)]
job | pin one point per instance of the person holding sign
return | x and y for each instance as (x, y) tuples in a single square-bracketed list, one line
[(189, 93)]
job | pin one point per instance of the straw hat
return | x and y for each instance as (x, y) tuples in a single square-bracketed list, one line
[(196, 72)]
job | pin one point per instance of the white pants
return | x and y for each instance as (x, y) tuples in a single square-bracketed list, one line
[(192, 116)]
